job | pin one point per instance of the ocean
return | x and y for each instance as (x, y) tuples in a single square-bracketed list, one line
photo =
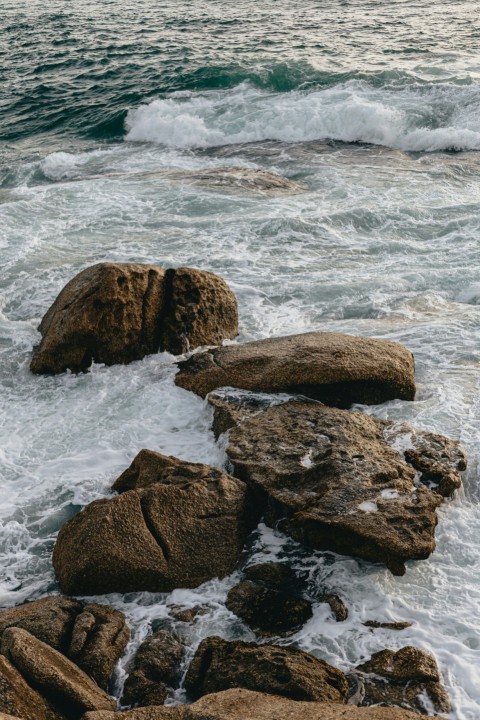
[(111, 116)]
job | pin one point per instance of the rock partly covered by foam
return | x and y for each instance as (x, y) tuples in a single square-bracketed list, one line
[(331, 478), (93, 636), (180, 525), (156, 667), (239, 704), (219, 665), (119, 312), (408, 678), (60, 683), (336, 369)]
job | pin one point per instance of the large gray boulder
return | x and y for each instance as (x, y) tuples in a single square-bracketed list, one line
[(337, 369), (185, 526), (332, 478), (119, 312)]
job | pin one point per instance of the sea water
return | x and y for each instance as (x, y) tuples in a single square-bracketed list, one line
[(109, 113)]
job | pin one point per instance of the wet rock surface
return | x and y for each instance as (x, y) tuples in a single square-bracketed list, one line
[(408, 678), (155, 669), (59, 681), (119, 312), (337, 606), (219, 665), (337, 369), (331, 479), (268, 610), (92, 636), (239, 704), (166, 534)]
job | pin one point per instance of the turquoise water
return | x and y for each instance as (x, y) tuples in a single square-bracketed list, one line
[(109, 114)]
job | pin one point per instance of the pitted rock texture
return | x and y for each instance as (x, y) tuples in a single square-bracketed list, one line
[(239, 704), (201, 310), (337, 369), (267, 610), (219, 665), (92, 636), (19, 699), (404, 678), (155, 669), (178, 531), (337, 606), (331, 478), (119, 312), (58, 680)]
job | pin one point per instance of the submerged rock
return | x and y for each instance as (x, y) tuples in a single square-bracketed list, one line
[(59, 681), (408, 678), (219, 664), (239, 704), (180, 525), (331, 478), (268, 610), (337, 369), (93, 636), (119, 312), (156, 668), (243, 179)]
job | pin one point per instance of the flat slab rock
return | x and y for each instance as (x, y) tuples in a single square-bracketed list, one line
[(239, 704), (175, 524), (92, 636), (332, 478), (337, 369), (119, 312)]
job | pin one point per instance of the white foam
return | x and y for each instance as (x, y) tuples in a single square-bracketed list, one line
[(353, 111)]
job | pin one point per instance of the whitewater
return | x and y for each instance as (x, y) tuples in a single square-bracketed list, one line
[(111, 116)]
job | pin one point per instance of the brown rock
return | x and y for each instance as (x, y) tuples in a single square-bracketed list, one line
[(272, 574), (220, 665), (156, 667), (186, 615), (337, 369), (99, 637), (268, 610), (108, 313), (119, 312), (55, 677), (337, 606), (18, 698), (403, 678), (239, 704), (50, 619), (93, 637), (333, 480), (201, 310), (177, 533), (387, 625)]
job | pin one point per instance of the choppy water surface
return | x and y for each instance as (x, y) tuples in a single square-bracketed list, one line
[(109, 114)]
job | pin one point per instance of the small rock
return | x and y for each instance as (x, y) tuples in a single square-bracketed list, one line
[(401, 679), (337, 606), (388, 625), (267, 610), (186, 615), (219, 665), (274, 574), (156, 667)]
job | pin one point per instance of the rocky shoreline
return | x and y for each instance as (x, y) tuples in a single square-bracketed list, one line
[(330, 477)]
